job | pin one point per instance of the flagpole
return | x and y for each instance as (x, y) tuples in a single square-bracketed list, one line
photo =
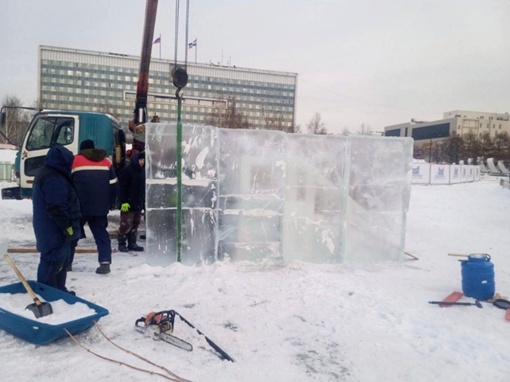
[(160, 46), (196, 49)]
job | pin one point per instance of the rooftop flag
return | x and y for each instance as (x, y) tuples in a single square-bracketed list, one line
[(192, 44), (157, 41)]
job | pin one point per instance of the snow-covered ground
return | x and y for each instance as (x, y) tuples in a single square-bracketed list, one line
[(293, 321)]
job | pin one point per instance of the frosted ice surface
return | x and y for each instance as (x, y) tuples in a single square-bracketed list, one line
[(378, 198), (199, 193), (251, 193), (314, 199)]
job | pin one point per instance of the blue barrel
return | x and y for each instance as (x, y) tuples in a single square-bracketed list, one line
[(478, 276)]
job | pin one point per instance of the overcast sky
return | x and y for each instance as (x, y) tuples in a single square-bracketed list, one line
[(358, 61)]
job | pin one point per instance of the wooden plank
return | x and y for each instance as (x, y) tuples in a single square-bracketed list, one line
[(452, 297), (457, 254), (34, 250)]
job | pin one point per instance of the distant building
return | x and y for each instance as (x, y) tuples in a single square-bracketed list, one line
[(84, 80), (460, 121), (7, 146)]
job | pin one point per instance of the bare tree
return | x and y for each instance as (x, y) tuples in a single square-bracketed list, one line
[(107, 108), (16, 121), (365, 129), (502, 146), (486, 145), (38, 104), (471, 145), (277, 122), (454, 148), (316, 126), (346, 131), (229, 118)]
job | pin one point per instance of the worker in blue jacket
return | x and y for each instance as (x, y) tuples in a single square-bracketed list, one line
[(56, 219)]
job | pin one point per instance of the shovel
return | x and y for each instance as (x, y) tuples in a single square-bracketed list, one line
[(39, 308), (477, 303)]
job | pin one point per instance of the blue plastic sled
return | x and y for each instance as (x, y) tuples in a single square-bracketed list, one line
[(40, 333)]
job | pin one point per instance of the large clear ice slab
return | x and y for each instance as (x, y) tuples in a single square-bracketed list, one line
[(199, 194), (315, 198), (259, 194), (251, 193), (378, 198)]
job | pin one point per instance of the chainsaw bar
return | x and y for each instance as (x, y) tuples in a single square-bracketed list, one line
[(172, 340), (158, 326)]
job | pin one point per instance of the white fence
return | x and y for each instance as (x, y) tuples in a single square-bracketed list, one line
[(426, 173)]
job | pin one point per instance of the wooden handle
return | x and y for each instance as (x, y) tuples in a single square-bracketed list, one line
[(23, 280), (34, 250), (457, 254)]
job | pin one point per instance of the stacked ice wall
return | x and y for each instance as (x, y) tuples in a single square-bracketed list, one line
[(199, 194), (258, 194)]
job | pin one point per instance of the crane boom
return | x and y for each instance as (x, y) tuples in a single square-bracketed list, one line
[(142, 88)]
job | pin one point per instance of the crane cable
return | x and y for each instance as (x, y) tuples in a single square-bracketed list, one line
[(179, 74), (176, 31), (186, 48), (180, 80)]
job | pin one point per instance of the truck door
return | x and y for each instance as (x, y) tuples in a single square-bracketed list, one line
[(45, 132)]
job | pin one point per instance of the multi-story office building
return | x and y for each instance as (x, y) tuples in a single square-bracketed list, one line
[(83, 80), (461, 122)]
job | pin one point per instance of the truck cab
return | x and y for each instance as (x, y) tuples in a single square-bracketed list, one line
[(69, 129)]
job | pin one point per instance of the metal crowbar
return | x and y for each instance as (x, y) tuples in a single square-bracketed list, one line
[(477, 303)]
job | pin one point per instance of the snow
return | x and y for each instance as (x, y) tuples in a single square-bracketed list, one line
[(62, 311), (294, 321)]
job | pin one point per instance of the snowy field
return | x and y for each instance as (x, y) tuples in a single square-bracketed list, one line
[(294, 321)]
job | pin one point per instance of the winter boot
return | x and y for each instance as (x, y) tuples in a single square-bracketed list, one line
[(103, 269), (122, 243), (132, 246)]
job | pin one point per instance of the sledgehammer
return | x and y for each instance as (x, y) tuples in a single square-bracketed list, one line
[(477, 303)]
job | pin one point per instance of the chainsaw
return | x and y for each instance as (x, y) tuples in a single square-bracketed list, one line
[(159, 326)]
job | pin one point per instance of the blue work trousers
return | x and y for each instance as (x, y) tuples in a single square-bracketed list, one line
[(98, 226), (52, 268)]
